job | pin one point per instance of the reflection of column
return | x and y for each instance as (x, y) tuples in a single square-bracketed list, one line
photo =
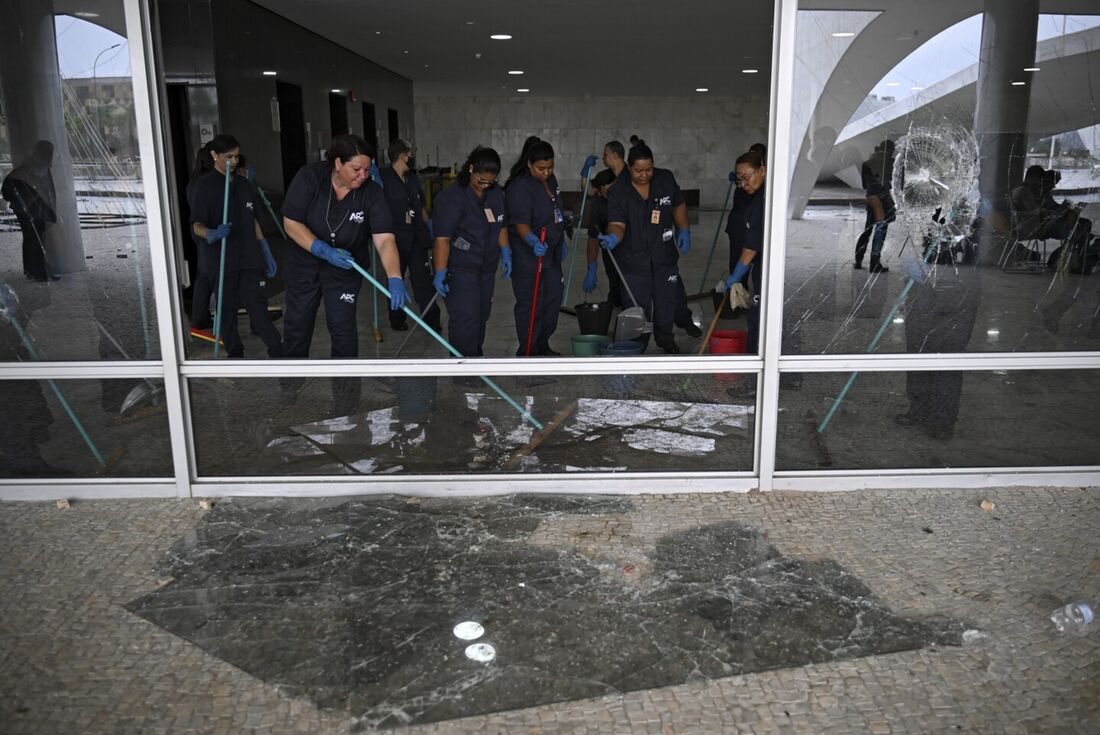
[(30, 83), (1009, 28)]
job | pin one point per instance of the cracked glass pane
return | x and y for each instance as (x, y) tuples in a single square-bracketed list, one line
[(945, 183)]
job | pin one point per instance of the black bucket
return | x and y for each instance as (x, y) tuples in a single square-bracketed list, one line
[(594, 317)]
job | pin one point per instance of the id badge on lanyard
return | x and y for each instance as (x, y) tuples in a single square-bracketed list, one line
[(655, 217)]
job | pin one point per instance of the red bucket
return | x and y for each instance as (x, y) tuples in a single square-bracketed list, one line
[(729, 342)]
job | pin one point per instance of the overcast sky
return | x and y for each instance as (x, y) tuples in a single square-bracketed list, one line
[(78, 43)]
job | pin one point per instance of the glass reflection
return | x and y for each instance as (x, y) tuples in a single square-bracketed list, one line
[(73, 237), (1019, 274), (425, 425), (939, 418)]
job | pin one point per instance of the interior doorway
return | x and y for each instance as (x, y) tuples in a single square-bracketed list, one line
[(292, 132)]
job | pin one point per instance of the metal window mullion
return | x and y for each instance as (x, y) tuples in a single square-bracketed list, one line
[(154, 178), (775, 233), (983, 477), (89, 370), (973, 362)]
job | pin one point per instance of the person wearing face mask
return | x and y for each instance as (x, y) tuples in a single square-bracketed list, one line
[(648, 231), (470, 240), (534, 206), (413, 229), (247, 254), (333, 212)]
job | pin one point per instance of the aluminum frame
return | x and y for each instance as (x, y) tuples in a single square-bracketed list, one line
[(176, 370)]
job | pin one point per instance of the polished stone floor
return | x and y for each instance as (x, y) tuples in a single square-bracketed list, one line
[(354, 603), (73, 658)]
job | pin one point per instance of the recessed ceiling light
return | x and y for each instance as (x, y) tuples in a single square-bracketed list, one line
[(1031, 68), (702, 89), (749, 71), (843, 34), (270, 73), (1018, 84), (406, 51), (469, 22), (892, 84), (500, 37), (335, 91), (378, 33), (523, 89), (916, 89), (425, 66), (86, 14), (515, 72)]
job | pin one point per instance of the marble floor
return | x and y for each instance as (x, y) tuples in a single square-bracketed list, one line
[(405, 611), (895, 611)]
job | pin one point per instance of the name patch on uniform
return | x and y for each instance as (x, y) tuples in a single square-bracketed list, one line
[(489, 216), (655, 217)]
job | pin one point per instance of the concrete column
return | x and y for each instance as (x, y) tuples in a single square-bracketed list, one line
[(1009, 28), (30, 83)]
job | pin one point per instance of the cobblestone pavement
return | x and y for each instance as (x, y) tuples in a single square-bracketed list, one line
[(72, 660)]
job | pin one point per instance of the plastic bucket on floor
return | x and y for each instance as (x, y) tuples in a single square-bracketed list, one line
[(594, 317), (588, 345), (729, 342), (623, 348)]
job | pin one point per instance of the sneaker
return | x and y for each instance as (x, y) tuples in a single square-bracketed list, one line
[(670, 347), (692, 330), (858, 265), (878, 267)]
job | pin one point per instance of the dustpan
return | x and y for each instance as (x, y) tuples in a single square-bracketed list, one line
[(631, 322)]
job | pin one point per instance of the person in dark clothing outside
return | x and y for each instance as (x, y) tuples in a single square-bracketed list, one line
[(877, 174), (534, 207), (413, 229), (647, 217), (30, 190), (471, 238), (247, 255)]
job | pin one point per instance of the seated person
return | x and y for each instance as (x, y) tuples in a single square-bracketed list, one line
[(1039, 216)]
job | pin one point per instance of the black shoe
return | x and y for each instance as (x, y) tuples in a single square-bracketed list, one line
[(547, 351), (692, 330), (878, 267), (399, 326), (858, 265), (670, 347)]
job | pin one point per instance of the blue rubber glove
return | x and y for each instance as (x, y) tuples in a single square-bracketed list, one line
[(439, 281), (739, 272), (398, 295), (218, 233), (589, 284), (431, 230), (586, 170), (506, 262), (564, 251), (536, 245), (733, 176), (608, 242), (376, 175), (272, 266), (683, 241), (335, 256)]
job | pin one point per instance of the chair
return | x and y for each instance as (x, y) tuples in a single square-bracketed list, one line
[(1023, 254)]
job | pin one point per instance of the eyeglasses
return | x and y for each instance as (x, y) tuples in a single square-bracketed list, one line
[(743, 179)]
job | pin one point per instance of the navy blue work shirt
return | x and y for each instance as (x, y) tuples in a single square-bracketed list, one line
[(346, 224), (242, 251), (748, 224), (458, 214), (650, 230), (529, 204), (406, 202)]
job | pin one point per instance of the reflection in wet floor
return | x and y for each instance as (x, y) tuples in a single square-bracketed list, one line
[(357, 603)]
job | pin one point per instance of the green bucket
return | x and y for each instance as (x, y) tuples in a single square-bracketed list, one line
[(588, 345)]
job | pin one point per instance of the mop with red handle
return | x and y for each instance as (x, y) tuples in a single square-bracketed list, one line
[(535, 298)]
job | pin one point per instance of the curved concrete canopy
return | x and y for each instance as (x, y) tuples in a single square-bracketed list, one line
[(1063, 98), (899, 29)]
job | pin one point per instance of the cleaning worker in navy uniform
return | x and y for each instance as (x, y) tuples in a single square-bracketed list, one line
[(648, 232), (201, 285), (735, 229), (470, 240), (247, 255), (334, 213), (614, 157), (412, 228), (534, 205), (748, 219)]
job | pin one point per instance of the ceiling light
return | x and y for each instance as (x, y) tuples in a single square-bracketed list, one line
[(1018, 84), (843, 34), (86, 14), (515, 72), (702, 89), (469, 22), (916, 89), (1031, 68), (335, 91), (500, 37), (270, 73), (378, 33), (425, 66), (749, 71), (892, 84), (523, 89), (406, 52)]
